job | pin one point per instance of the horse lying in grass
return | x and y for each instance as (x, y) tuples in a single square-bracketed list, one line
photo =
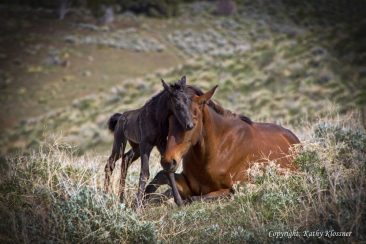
[(218, 150)]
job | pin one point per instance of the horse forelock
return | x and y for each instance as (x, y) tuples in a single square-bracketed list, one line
[(176, 86)]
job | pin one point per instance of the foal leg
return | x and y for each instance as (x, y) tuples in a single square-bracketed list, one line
[(127, 160), (123, 168), (212, 195), (145, 150), (119, 141)]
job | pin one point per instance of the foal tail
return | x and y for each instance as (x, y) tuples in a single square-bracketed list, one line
[(112, 122)]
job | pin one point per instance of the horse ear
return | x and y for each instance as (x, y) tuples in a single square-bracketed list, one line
[(207, 96), (182, 81), (166, 86)]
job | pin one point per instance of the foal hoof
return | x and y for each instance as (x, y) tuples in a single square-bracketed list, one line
[(179, 203)]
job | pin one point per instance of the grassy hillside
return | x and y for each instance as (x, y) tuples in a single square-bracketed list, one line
[(273, 62), (53, 195)]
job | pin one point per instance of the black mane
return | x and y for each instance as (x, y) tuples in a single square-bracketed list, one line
[(175, 86), (245, 119)]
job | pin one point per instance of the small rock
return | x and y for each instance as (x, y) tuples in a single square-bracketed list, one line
[(119, 91), (71, 39), (42, 99), (128, 14), (362, 72), (17, 62), (66, 63), (87, 73), (35, 69), (22, 91), (112, 99), (68, 78), (105, 77), (286, 72), (318, 51)]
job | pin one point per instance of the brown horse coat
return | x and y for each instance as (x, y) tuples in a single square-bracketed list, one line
[(220, 149)]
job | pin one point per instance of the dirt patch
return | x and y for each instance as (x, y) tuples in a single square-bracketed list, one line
[(41, 71)]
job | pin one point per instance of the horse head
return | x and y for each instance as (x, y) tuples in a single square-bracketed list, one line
[(179, 102), (180, 140)]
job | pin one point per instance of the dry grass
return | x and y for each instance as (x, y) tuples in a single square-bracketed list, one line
[(54, 195)]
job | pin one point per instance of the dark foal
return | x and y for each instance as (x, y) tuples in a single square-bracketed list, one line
[(219, 150), (145, 128)]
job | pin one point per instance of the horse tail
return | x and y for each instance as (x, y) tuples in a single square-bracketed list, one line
[(112, 122)]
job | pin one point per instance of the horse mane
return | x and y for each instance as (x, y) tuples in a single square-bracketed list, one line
[(214, 105), (220, 109), (154, 98), (157, 96), (227, 113)]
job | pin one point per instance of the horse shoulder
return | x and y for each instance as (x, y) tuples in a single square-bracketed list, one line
[(233, 151)]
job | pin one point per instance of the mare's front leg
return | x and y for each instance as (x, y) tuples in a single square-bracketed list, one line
[(145, 150), (212, 195), (173, 184), (171, 180), (162, 178)]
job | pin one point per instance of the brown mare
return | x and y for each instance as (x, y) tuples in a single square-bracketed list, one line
[(219, 150)]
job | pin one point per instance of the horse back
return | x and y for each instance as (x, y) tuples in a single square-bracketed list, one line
[(277, 130), (131, 126), (274, 142)]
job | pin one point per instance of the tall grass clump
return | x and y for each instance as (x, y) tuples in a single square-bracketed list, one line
[(53, 196)]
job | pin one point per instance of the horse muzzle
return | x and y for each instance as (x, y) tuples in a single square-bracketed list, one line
[(170, 166)]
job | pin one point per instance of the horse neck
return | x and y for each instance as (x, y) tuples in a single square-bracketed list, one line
[(157, 108), (213, 125), (163, 106)]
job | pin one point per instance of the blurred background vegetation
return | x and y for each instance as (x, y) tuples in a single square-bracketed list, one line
[(67, 65)]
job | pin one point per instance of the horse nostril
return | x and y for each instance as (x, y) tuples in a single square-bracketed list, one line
[(169, 166), (190, 126)]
